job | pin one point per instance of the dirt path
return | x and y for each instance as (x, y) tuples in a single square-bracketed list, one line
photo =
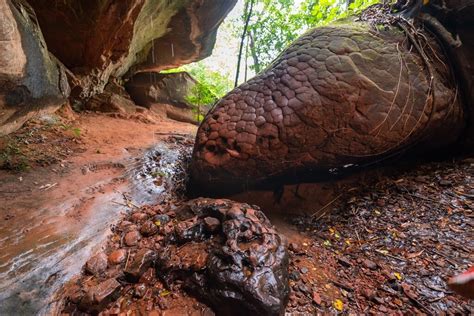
[(52, 216), (385, 245)]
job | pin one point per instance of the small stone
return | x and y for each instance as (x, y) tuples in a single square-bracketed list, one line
[(378, 300), (369, 264), (304, 270), (344, 262), (294, 247), (125, 224), (97, 264), (132, 238), (368, 293), (143, 260), (161, 219), (98, 296), (148, 277), (138, 217), (445, 183), (140, 290), (148, 228), (117, 256), (211, 224), (317, 298), (295, 276)]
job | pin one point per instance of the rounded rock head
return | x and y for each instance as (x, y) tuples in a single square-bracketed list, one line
[(340, 95)]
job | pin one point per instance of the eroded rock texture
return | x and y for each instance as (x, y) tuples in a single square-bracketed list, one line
[(226, 254), (110, 38), (31, 81), (165, 93), (339, 96), (230, 255)]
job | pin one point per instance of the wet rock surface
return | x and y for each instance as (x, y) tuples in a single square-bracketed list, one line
[(226, 254), (337, 98), (112, 38), (245, 266), (32, 82), (386, 247)]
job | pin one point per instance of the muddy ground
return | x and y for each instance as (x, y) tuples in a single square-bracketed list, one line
[(373, 246), (386, 246)]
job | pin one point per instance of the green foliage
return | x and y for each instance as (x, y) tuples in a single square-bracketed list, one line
[(277, 23), (76, 131), (210, 86), (12, 158)]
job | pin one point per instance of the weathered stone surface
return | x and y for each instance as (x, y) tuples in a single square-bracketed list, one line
[(144, 259), (230, 256), (31, 81), (148, 228), (98, 40), (97, 264), (339, 97), (99, 296), (117, 256), (164, 93), (131, 238), (109, 102)]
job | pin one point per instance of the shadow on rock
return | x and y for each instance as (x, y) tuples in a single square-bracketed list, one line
[(229, 255)]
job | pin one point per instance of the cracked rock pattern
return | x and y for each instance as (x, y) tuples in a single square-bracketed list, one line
[(340, 95)]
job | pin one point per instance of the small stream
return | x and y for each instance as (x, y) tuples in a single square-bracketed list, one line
[(45, 247)]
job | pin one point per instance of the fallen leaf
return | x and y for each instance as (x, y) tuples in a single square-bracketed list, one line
[(338, 304), (164, 293), (397, 275), (414, 255)]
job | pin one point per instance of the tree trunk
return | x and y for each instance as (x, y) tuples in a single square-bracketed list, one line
[(246, 59), (256, 62), (248, 12)]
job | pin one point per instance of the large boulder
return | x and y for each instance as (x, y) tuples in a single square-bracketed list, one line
[(339, 98), (164, 93), (110, 38), (31, 80)]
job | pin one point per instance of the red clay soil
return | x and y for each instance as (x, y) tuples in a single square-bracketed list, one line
[(388, 248), (385, 248), (59, 179)]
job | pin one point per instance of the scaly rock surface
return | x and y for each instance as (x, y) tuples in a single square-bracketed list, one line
[(340, 96)]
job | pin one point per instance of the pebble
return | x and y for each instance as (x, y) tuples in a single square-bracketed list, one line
[(304, 270), (140, 290), (295, 276), (148, 228), (139, 217), (212, 224), (97, 264), (143, 260), (368, 293), (369, 264), (161, 219), (294, 247), (98, 296), (344, 261), (117, 256), (132, 238)]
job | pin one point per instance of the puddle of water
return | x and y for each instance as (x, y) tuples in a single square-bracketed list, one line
[(43, 248)]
